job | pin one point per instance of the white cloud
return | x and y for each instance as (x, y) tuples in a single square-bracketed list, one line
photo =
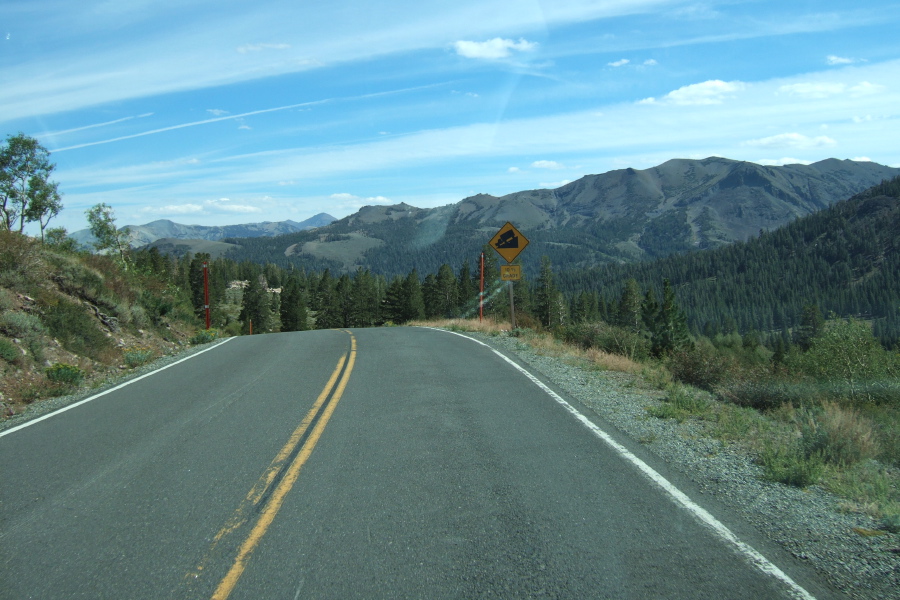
[(174, 209), (619, 63), (650, 62), (813, 90), (554, 185), (831, 59), (493, 49), (360, 200), (259, 47), (792, 140), (864, 88), (780, 162), (547, 164), (217, 112), (861, 159), (513, 170), (706, 93), (239, 208)]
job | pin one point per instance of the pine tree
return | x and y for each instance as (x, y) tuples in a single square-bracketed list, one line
[(628, 312), (413, 302), (293, 306), (670, 331), (255, 306), (546, 296)]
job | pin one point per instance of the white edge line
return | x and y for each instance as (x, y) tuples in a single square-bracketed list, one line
[(110, 390), (755, 558)]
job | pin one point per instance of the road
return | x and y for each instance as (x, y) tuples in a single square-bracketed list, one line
[(380, 463)]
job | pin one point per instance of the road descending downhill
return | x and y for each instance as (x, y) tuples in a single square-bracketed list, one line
[(374, 463)]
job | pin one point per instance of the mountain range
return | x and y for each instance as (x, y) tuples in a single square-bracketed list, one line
[(621, 216), (142, 235)]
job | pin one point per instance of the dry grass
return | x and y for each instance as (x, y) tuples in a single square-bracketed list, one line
[(488, 326), (542, 343)]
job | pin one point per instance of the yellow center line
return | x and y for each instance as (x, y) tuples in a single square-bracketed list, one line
[(270, 510)]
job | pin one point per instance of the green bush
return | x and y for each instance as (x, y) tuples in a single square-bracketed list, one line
[(64, 374), (702, 366), (8, 350), (789, 464), (135, 356), (851, 364), (205, 336)]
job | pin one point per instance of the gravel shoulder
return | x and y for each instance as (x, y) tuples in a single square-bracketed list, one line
[(807, 523)]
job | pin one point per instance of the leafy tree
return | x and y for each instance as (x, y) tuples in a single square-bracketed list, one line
[(102, 223), (847, 355), (45, 204), (26, 192)]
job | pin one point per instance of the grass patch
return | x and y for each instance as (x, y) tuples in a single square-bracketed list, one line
[(681, 402)]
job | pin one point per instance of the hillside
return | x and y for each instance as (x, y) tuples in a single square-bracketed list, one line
[(621, 216), (845, 258), (69, 319)]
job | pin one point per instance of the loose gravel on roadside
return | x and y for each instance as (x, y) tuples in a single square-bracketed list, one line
[(807, 523)]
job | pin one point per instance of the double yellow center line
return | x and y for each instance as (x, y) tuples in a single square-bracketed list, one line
[(283, 479)]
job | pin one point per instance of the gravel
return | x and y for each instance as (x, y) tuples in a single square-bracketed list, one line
[(808, 523)]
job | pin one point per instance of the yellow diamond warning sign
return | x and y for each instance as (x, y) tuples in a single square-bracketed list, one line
[(509, 242)]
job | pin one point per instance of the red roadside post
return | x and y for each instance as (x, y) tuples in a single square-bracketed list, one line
[(481, 295), (206, 291)]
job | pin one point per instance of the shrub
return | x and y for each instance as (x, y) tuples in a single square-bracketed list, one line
[(839, 436), (21, 325), (853, 364), (205, 336), (609, 338), (701, 366), (135, 356), (680, 403), (64, 374), (787, 463), (9, 351)]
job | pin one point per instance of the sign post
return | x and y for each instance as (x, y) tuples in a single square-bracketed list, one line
[(509, 242)]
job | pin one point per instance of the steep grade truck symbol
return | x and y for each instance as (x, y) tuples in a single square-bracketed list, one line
[(509, 242)]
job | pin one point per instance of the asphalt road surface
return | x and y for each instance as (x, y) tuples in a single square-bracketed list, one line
[(381, 463)]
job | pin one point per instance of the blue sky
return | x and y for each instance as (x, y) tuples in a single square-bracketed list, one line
[(226, 111)]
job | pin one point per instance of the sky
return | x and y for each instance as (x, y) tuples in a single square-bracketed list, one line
[(224, 112)]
